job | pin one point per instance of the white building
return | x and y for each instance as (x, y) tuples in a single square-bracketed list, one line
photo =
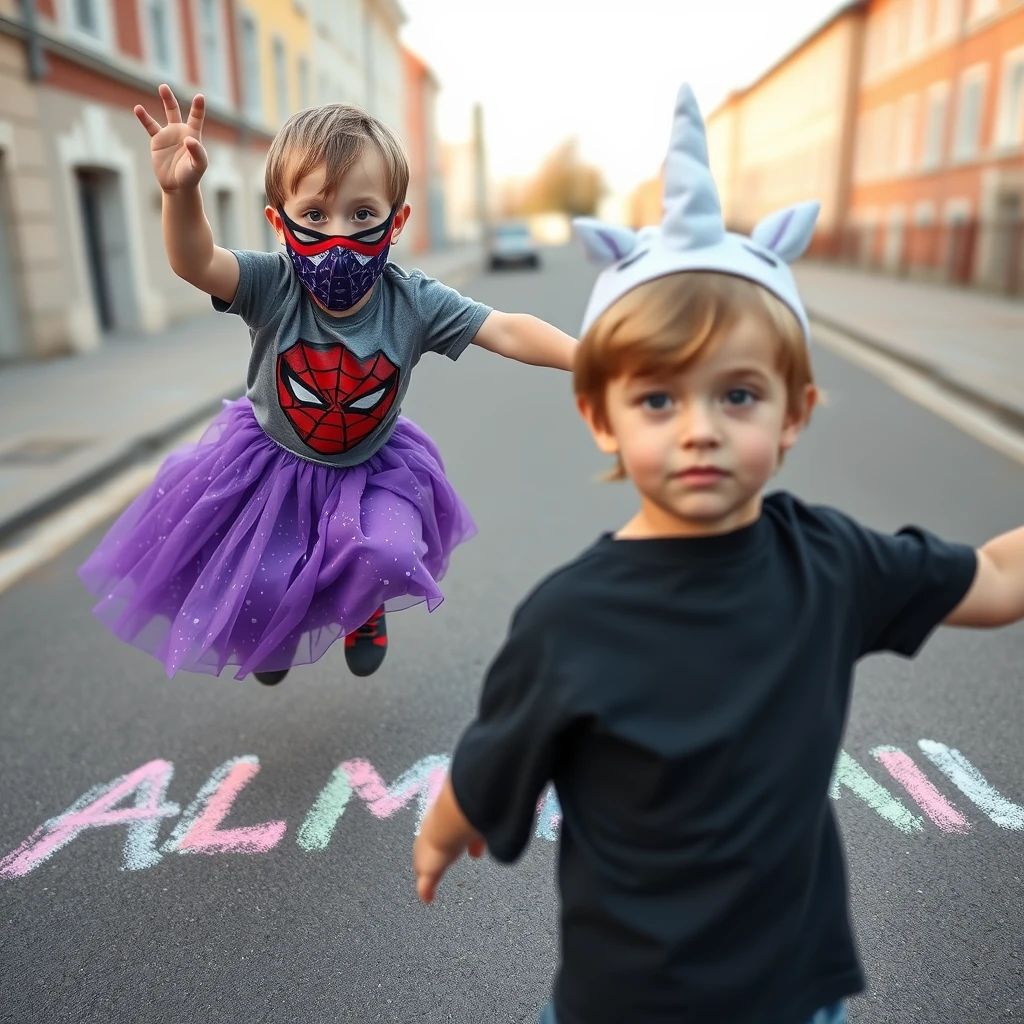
[(357, 56)]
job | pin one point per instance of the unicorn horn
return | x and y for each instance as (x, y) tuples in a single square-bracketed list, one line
[(692, 212)]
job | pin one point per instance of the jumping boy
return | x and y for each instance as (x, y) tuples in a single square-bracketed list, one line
[(684, 683), (310, 505)]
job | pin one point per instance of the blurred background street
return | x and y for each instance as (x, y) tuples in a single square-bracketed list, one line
[(904, 117)]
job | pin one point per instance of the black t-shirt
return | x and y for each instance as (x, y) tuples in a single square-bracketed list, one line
[(687, 698)]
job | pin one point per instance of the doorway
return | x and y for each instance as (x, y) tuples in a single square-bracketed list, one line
[(227, 229), (1006, 251), (10, 320), (108, 265)]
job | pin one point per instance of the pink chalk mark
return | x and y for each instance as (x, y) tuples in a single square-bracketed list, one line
[(59, 831), (206, 836), (424, 779), (913, 780)]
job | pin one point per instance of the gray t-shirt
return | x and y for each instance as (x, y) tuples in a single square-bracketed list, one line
[(330, 388)]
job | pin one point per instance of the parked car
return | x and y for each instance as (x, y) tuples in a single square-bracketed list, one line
[(512, 243)]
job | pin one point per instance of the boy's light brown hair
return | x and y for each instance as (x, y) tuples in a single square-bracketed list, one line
[(663, 326), (333, 136)]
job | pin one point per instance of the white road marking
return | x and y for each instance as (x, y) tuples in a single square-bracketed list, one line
[(980, 424), (53, 535)]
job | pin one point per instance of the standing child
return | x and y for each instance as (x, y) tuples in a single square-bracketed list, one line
[(310, 505), (684, 682)]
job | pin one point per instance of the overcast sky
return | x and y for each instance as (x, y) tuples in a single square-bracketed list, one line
[(604, 71)]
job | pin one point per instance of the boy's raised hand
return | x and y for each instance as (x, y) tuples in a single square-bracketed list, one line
[(179, 159)]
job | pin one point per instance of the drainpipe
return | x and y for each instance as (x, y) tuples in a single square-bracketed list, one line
[(36, 60)]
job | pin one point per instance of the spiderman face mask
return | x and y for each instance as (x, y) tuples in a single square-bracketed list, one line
[(338, 270)]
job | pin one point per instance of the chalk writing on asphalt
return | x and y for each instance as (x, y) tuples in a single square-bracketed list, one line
[(909, 799)]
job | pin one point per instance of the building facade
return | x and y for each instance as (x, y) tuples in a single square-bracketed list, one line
[(426, 186), (939, 171), (81, 249), (357, 56), (789, 136)]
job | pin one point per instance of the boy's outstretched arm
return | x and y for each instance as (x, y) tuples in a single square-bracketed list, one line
[(444, 837), (179, 161), (526, 339), (996, 597)]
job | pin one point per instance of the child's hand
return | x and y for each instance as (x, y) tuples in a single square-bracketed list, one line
[(430, 861), (179, 158)]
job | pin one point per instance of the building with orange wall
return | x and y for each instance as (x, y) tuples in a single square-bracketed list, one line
[(426, 189), (789, 136), (82, 250), (939, 167)]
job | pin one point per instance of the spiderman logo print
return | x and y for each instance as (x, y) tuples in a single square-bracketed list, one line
[(332, 400)]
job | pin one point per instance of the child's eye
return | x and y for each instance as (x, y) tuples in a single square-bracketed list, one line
[(658, 401), (740, 396), (364, 215), (315, 216)]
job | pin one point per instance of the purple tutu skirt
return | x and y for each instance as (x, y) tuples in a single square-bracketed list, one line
[(241, 553)]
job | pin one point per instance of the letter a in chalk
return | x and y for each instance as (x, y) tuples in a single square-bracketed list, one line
[(98, 808)]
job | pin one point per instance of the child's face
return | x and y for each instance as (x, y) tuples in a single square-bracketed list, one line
[(700, 445), (361, 201)]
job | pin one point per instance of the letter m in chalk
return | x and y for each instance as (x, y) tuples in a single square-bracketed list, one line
[(422, 783)]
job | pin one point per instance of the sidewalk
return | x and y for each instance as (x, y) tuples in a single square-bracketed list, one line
[(971, 342), (69, 424)]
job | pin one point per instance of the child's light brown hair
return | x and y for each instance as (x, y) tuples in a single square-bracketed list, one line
[(334, 137), (663, 326)]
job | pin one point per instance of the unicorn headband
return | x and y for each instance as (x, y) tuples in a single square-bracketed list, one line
[(692, 234)]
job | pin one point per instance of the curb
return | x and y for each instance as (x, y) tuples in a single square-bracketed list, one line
[(1010, 415), (136, 451)]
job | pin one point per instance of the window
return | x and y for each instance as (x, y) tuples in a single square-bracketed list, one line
[(885, 122), (90, 20), (160, 32), (947, 18), (900, 31), (981, 9), (250, 67), (924, 214), (905, 133), (1011, 103), (918, 25), (211, 32), (224, 202), (303, 76), (281, 79), (935, 127), (86, 17), (968, 119), (861, 161)]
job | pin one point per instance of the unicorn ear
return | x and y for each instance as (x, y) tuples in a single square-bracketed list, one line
[(788, 232), (604, 243)]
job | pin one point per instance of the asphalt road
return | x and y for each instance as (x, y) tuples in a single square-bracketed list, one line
[(310, 915)]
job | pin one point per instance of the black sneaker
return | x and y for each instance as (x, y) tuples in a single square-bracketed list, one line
[(366, 647), (271, 678)]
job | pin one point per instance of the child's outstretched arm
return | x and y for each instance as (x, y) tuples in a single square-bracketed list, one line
[(444, 837), (179, 161), (996, 597), (526, 339)]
